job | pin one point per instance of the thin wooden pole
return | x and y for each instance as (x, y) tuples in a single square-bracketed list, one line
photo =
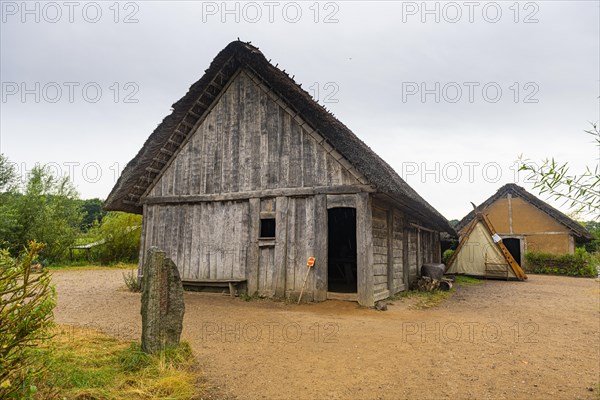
[(309, 265), (303, 284)]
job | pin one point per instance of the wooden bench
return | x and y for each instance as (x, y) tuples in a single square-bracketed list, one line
[(230, 283)]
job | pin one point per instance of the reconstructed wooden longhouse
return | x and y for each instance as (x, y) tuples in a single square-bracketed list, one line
[(249, 176)]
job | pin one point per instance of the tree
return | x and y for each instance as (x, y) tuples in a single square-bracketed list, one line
[(120, 234), (92, 213), (8, 175), (8, 211), (581, 192), (594, 228), (48, 213), (45, 209)]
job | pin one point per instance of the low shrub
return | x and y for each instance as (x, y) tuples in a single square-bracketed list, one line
[(578, 264), (447, 255)]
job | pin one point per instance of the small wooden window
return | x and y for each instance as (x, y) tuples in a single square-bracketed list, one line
[(267, 228)]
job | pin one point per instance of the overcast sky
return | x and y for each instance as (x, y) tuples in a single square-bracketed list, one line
[(449, 94)]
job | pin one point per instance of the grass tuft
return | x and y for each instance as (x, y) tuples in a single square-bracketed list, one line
[(85, 364), (461, 280)]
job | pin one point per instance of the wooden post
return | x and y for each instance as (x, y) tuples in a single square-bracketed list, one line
[(364, 249), (390, 251), (252, 269), (321, 238), (405, 254), (281, 229)]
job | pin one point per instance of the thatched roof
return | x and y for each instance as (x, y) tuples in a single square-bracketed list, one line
[(517, 191), (143, 169)]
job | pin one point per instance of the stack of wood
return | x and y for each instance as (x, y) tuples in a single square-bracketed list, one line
[(427, 284)]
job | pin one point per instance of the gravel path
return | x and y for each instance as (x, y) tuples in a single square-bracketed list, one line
[(538, 339)]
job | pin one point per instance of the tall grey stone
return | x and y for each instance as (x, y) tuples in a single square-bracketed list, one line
[(162, 302)]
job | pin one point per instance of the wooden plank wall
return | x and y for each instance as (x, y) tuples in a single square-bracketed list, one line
[(413, 256), (380, 250), (249, 142), (219, 240), (205, 240), (282, 263), (398, 249), (427, 247)]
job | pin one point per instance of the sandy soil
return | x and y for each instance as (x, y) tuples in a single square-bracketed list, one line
[(538, 339)]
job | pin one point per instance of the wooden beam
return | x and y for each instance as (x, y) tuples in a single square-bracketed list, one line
[(159, 160), (341, 200), (364, 247), (405, 255), (298, 192), (418, 252), (153, 170), (216, 85), (510, 215), (187, 125), (201, 104), (422, 228), (253, 255), (281, 243), (321, 236), (390, 249)]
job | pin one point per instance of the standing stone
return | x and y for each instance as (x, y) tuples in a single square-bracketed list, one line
[(162, 302)]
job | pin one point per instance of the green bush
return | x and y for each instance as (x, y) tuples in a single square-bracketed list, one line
[(119, 234), (447, 255), (26, 304), (578, 264)]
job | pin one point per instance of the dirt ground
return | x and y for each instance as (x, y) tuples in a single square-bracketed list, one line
[(538, 339)]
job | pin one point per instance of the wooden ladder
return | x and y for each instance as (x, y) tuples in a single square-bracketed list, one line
[(511, 261)]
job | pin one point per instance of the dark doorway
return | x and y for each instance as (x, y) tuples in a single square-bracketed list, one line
[(514, 248), (341, 274)]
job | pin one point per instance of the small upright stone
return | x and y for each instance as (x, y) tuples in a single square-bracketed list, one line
[(162, 302)]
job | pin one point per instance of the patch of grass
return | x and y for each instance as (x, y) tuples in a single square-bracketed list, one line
[(86, 364), (461, 280), (86, 265)]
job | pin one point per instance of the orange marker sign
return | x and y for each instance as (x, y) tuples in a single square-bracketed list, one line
[(311, 262)]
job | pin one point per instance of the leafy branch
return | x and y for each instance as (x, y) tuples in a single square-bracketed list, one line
[(580, 192)]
